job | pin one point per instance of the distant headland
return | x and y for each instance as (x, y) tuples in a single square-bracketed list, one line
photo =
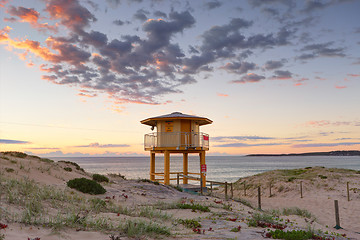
[(332, 153)]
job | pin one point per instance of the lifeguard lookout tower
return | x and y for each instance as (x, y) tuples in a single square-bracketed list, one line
[(176, 133)]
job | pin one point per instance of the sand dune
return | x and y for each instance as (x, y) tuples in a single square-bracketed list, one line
[(37, 203)]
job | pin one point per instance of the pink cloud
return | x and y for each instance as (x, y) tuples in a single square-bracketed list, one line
[(3, 3), (354, 75), (318, 123), (323, 123), (340, 87), (222, 95), (30, 16)]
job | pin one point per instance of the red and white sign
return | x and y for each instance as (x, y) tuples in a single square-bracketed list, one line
[(206, 138), (203, 167)]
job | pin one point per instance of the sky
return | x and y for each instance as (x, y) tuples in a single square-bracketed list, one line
[(275, 76)]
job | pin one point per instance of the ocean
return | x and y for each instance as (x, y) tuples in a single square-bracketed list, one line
[(219, 168)]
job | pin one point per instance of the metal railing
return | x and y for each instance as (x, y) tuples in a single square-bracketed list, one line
[(176, 139), (226, 184)]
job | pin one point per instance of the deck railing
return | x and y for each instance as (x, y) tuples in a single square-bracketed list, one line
[(177, 140)]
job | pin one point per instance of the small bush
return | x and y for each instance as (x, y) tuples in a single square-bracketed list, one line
[(86, 186), (9, 170), (46, 160), (74, 164), (291, 179), (190, 223), (17, 154), (100, 178), (290, 235), (119, 175), (149, 181), (322, 177), (68, 169), (193, 207)]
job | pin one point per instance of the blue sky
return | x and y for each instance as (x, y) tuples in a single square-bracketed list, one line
[(275, 76)]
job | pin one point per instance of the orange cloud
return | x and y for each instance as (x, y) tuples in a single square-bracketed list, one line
[(318, 123), (340, 87), (3, 3), (30, 16), (222, 95), (354, 75), (86, 93)]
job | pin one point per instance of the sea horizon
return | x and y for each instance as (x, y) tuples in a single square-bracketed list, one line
[(219, 168)]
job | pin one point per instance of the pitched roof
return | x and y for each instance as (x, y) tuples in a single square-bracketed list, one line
[(176, 115)]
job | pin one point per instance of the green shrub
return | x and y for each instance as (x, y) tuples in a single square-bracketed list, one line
[(86, 186), (68, 169), (193, 207), (17, 154), (190, 223), (100, 178), (46, 160), (291, 179), (9, 170), (290, 235), (322, 177), (74, 164)]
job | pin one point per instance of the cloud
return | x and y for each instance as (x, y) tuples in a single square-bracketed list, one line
[(314, 5), (259, 3), (353, 75), (212, 4), (250, 77), (239, 67), (3, 3), (118, 22), (222, 95), (325, 144), (80, 154), (282, 75), (141, 15), (70, 13), (31, 16), (9, 141), (42, 148), (323, 123), (272, 64), (340, 87), (247, 145), (321, 50), (97, 145), (239, 138)]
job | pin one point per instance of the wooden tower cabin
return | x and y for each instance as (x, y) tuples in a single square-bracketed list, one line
[(176, 133)]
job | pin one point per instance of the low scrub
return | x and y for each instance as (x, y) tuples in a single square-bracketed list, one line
[(193, 207), (190, 223), (74, 164), (86, 186), (100, 178)]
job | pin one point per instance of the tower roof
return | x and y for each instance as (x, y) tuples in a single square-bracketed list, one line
[(176, 115)]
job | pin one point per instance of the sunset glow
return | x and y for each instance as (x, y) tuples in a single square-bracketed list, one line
[(274, 76)]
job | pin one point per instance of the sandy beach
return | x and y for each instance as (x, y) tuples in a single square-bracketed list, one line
[(36, 203)]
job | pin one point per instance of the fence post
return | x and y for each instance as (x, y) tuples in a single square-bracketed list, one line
[(226, 190), (245, 188), (177, 180), (231, 190), (337, 217), (201, 184), (270, 189), (211, 187), (348, 193), (259, 197), (301, 192)]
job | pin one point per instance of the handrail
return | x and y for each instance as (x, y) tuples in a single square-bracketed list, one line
[(177, 140), (211, 183)]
